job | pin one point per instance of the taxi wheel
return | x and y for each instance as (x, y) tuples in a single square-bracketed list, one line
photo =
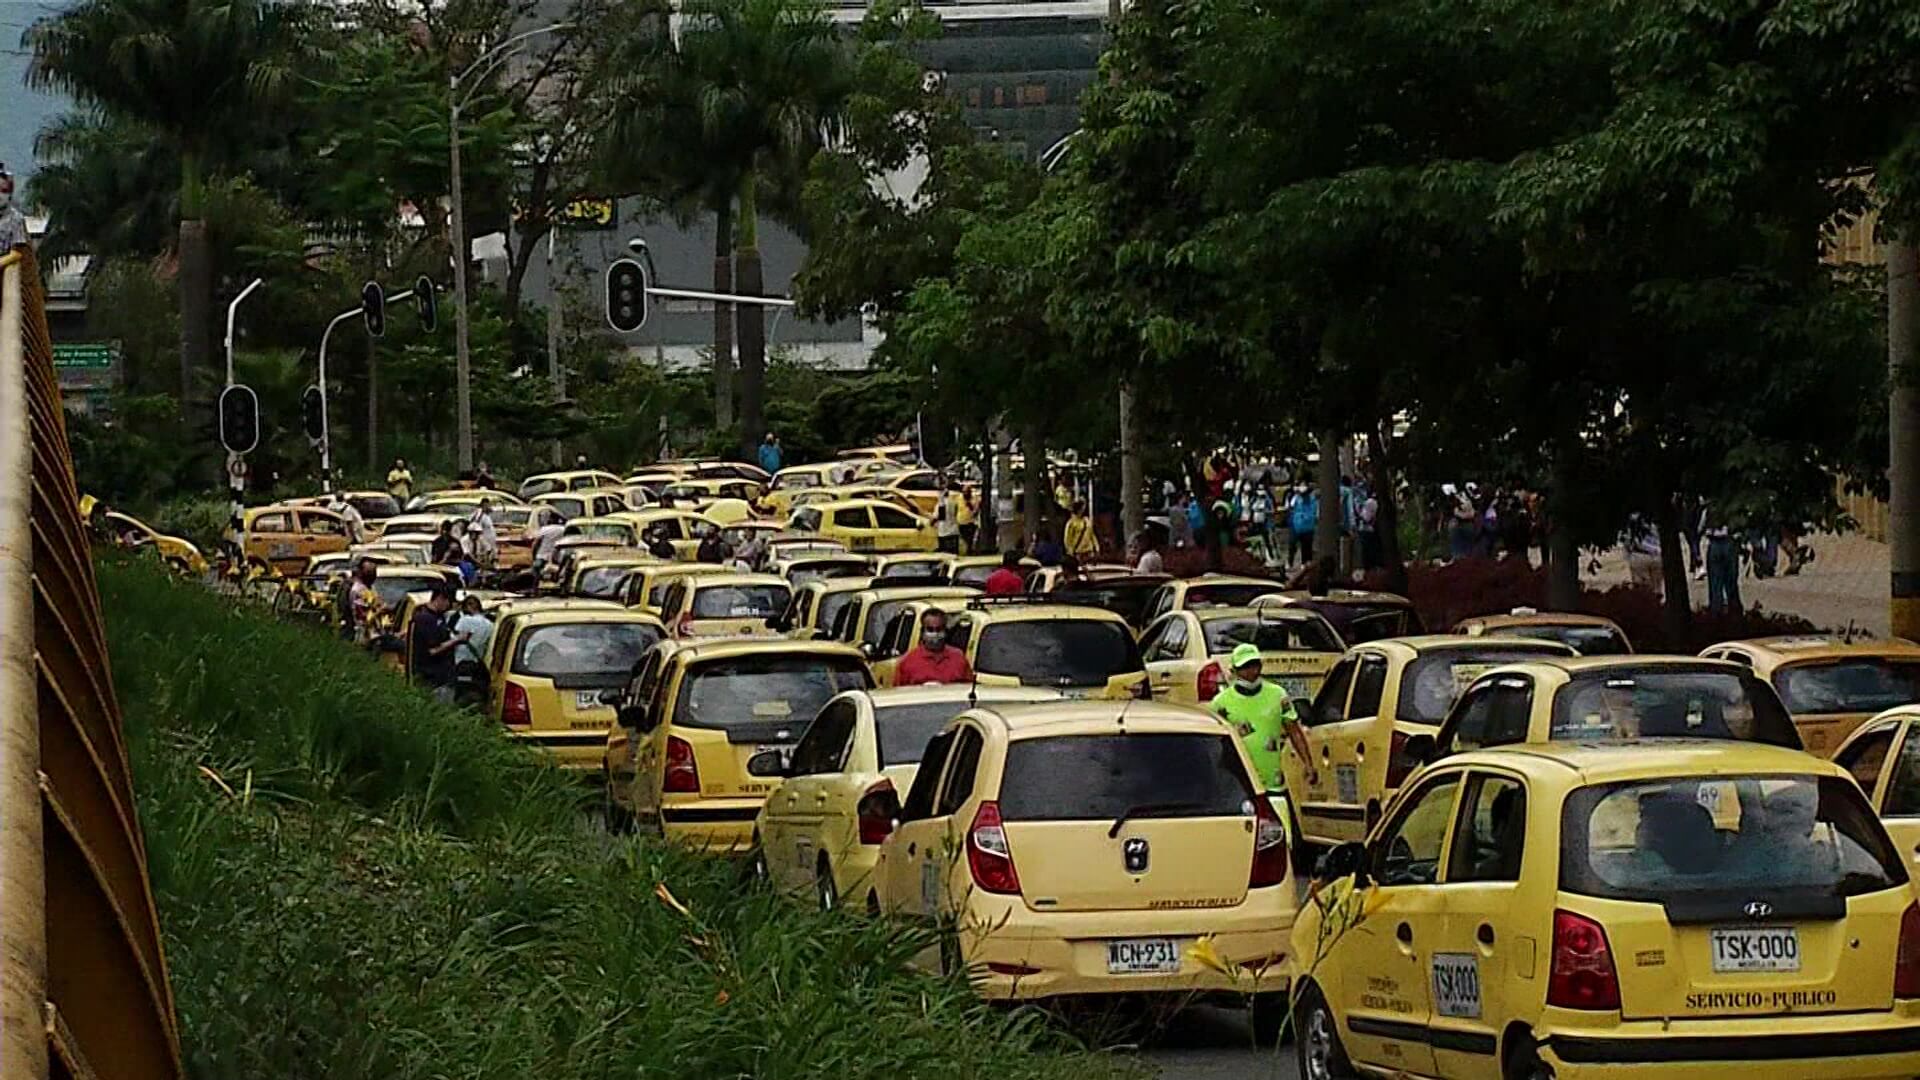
[(824, 888), (1318, 1045)]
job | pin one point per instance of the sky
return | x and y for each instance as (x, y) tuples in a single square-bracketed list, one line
[(22, 111)]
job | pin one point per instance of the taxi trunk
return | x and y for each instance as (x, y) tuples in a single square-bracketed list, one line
[(1081, 658), (563, 714)]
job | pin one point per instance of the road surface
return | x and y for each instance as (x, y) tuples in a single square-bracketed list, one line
[(1214, 1044)]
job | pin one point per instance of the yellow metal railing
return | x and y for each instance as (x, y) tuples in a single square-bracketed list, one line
[(83, 979)]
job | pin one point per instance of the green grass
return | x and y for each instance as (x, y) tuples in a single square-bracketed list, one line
[(354, 882)]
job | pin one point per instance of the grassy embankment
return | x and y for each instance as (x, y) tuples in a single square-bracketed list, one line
[(356, 883)]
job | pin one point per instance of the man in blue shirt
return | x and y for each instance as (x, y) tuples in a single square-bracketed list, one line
[(770, 454)]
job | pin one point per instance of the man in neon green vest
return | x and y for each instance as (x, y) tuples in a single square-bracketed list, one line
[(1262, 714)]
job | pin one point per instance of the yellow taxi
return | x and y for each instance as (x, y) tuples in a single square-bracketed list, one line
[(794, 479), (424, 526), (820, 831), (1048, 578), (514, 526), (1830, 685), (1218, 590), (283, 538), (816, 605), (801, 569), (865, 525), (1596, 698), (549, 674), (1378, 696), (704, 731), (651, 481), (631, 528), (393, 649), (899, 454), (1593, 635), (414, 551), (583, 504), (724, 603), (864, 620), (569, 480), (391, 585), (1575, 911), (461, 500), (922, 565), (1083, 652), (1096, 848), (1360, 615), (920, 487), (1186, 651), (785, 545), (374, 507), (646, 587), (601, 574), (1883, 756), (696, 494), (128, 531), (568, 550)]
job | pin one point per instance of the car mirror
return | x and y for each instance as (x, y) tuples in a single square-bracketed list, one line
[(1420, 750), (1344, 860), (767, 763), (636, 718), (610, 697)]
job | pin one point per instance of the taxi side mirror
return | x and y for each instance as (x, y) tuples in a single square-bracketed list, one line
[(636, 718), (610, 697), (1420, 750), (1349, 859), (767, 763)]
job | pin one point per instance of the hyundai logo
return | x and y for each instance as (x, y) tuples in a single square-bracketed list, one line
[(1133, 855), (1758, 909)]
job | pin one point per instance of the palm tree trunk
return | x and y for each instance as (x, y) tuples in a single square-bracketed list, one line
[(195, 276), (753, 336), (723, 316), (1326, 536)]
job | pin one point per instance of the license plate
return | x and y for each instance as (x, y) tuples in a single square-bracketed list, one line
[(1757, 948), (1143, 956), (1346, 783), (587, 699)]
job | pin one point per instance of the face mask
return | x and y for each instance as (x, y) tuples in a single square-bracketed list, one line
[(1247, 686), (933, 639)]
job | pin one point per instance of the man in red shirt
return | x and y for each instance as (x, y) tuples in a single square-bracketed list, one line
[(1007, 581), (931, 661)]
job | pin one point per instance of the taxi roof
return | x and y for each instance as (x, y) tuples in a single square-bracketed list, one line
[(564, 474), (649, 514), (715, 648), (1021, 610), (421, 517), (852, 583), (721, 576), (845, 504), (1426, 643), (617, 556), (1071, 717), (802, 558), (471, 496), (1576, 764), (1345, 596), (963, 693), (1540, 618), (611, 613), (1265, 614), (1227, 579), (253, 512), (518, 605), (1788, 648)]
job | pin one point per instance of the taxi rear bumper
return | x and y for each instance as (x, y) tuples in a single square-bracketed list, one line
[(714, 826), (1838, 1046)]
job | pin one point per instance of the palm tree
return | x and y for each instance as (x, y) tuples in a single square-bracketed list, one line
[(195, 73)]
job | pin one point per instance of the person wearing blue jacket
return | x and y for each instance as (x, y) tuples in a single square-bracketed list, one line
[(1303, 517), (770, 454)]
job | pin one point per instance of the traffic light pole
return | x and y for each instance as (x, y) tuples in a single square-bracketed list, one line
[(326, 432), (236, 465)]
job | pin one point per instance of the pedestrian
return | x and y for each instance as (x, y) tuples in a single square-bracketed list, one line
[(1722, 562), (1180, 523), (484, 478), (1367, 517), (1046, 549), (966, 512), (1643, 554), (713, 547), (446, 546), (431, 642), (932, 661), (1197, 520), (770, 455), (356, 525), (1062, 492), (1220, 535), (1262, 715), (470, 655), (363, 602), (580, 463), (483, 540), (544, 538), (1693, 531), (752, 556), (1007, 581), (13, 224), (1149, 549), (1464, 522), (1303, 517), (400, 481), (946, 520), (1259, 511), (1079, 538)]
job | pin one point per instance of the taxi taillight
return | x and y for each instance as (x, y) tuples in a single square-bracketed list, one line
[(1583, 975), (683, 773), (1906, 962), (515, 709), (1269, 846), (988, 856), (1212, 678), (875, 812)]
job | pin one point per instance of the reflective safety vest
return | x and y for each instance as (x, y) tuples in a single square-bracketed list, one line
[(1260, 719)]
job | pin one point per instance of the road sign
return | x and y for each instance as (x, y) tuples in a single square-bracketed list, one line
[(626, 296), (373, 308), (239, 419), (83, 355), (424, 304)]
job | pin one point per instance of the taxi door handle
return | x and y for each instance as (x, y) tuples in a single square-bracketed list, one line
[(820, 799), (913, 849), (1360, 751), (1484, 934), (1405, 933), (1326, 753)]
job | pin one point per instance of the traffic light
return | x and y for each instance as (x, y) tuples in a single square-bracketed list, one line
[(626, 296), (239, 419), (313, 415), (373, 308), (424, 304)]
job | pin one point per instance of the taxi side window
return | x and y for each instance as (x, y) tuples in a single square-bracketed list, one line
[(496, 656), (852, 517), (966, 763), (823, 749), (1903, 788), (320, 525), (1408, 851), (273, 523), (1496, 713), (917, 482), (1866, 757), (1150, 640), (1161, 603), (1737, 657), (1329, 705), (1488, 844), (919, 804), (843, 623), (899, 636), (671, 603), (886, 517), (959, 631), (1369, 686), (1173, 643)]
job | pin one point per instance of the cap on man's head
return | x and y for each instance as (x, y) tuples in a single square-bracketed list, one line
[(1243, 654)]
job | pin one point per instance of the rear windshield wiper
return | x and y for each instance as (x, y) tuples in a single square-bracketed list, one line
[(1151, 810)]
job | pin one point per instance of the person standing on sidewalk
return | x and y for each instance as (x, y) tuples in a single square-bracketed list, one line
[(1081, 543), (1722, 562), (946, 521)]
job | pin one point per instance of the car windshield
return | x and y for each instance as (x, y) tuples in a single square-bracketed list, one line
[(1671, 839), (1687, 704), (1236, 595), (879, 615), (1127, 599), (1588, 640), (1103, 777), (1269, 635), (831, 604), (618, 532), (1057, 652), (568, 508), (541, 486), (803, 573), (375, 507), (740, 601), (974, 575), (393, 588), (795, 481), (756, 696), (805, 520), (915, 568), (604, 582), (1433, 680), (903, 731), (1864, 684), (588, 650), (1359, 623), (512, 517)]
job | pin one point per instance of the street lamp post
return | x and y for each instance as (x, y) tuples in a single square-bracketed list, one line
[(463, 369)]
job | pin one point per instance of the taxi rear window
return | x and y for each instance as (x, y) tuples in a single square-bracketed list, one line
[(1431, 683), (1102, 777), (755, 697), (1269, 635), (1865, 684), (739, 601), (1680, 704), (1229, 595), (583, 653), (604, 582), (374, 507), (1058, 652), (903, 731), (831, 605), (1127, 599), (1588, 640), (1698, 840)]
